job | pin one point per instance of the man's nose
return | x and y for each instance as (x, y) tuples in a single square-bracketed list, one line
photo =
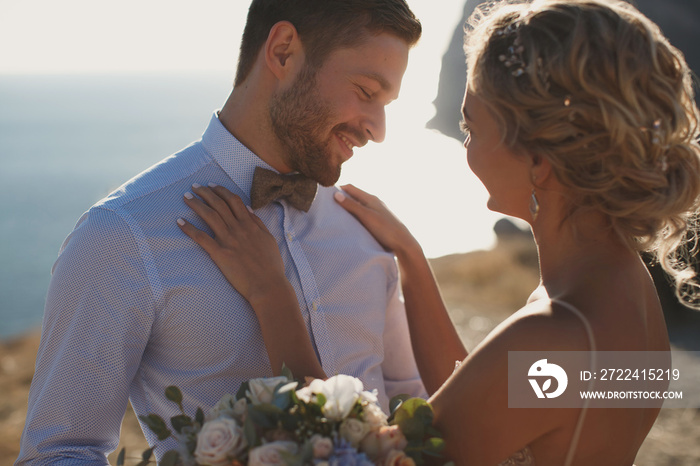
[(374, 124)]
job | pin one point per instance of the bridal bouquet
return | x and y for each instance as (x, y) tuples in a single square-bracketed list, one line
[(271, 421)]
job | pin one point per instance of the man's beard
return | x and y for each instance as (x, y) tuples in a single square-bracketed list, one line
[(301, 121)]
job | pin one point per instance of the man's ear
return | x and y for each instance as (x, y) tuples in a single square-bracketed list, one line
[(284, 53)]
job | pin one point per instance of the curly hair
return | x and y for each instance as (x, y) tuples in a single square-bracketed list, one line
[(595, 87)]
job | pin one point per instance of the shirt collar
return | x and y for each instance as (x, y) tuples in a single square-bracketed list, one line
[(233, 157)]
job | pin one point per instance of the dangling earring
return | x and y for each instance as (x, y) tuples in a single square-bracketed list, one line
[(534, 205)]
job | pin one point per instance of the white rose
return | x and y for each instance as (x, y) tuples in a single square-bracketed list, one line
[(353, 430), (370, 397), (322, 447), (219, 441), (374, 416), (263, 390), (240, 410), (341, 393), (270, 454), (306, 393)]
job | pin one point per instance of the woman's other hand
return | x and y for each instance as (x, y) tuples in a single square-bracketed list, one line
[(242, 247), (386, 228)]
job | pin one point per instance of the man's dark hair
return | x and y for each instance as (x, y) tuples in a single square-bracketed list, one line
[(324, 26)]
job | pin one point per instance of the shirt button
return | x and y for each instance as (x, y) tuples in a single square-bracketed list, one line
[(314, 306), (289, 236)]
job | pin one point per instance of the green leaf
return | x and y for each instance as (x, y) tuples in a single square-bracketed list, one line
[(120, 458), (146, 455), (288, 387), (396, 401), (287, 372), (433, 432), (412, 429), (424, 413), (170, 458), (434, 445), (415, 453), (251, 435), (291, 421), (178, 422), (175, 395), (283, 397), (264, 415), (242, 390), (199, 417), (320, 399), (410, 406), (157, 426)]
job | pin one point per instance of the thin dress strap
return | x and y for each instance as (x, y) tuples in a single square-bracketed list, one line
[(582, 415)]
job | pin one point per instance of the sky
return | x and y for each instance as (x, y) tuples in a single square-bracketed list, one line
[(420, 174), (69, 36)]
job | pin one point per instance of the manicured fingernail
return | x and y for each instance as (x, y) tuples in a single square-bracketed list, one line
[(250, 209), (213, 185), (340, 197), (196, 186), (180, 222), (189, 195)]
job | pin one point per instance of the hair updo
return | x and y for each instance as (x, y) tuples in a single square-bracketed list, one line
[(598, 90)]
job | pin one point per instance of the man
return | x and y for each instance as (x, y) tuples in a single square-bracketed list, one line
[(135, 305)]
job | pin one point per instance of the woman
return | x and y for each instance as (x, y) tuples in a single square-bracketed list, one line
[(580, 120)]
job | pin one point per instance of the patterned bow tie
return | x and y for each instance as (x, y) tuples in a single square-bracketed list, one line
[(268, 186)]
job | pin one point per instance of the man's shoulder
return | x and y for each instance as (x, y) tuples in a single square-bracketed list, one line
[(152, 186), (127, 212)]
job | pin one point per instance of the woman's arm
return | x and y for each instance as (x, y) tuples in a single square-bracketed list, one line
[(436, 344), (247, 255)]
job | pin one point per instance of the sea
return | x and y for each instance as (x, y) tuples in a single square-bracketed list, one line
[(67, 141)]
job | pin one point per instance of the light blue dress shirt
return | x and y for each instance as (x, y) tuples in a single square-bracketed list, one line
[(134, 305)]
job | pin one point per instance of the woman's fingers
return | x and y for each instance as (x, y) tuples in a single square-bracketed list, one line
[(242, 247), (210, 216), (232, 202), (225, 213), (376, 218), (361, 196), (198, 236), (350, 204), (217, 203)]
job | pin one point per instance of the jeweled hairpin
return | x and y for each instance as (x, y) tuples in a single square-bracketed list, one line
[(514, 59)]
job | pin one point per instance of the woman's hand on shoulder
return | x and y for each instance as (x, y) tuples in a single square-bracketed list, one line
[(242, 247), (374, 215)]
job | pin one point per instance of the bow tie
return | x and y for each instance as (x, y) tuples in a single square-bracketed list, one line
[(268, 186)]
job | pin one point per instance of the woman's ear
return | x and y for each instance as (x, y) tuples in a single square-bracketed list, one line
[(283, 50), (540, 169)]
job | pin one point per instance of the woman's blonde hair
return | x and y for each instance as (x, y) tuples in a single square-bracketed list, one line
[(596, 88)]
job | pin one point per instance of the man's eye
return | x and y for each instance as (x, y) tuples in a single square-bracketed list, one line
[(364, 91)]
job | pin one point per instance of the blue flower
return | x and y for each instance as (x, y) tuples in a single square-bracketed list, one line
[(345, 455)]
